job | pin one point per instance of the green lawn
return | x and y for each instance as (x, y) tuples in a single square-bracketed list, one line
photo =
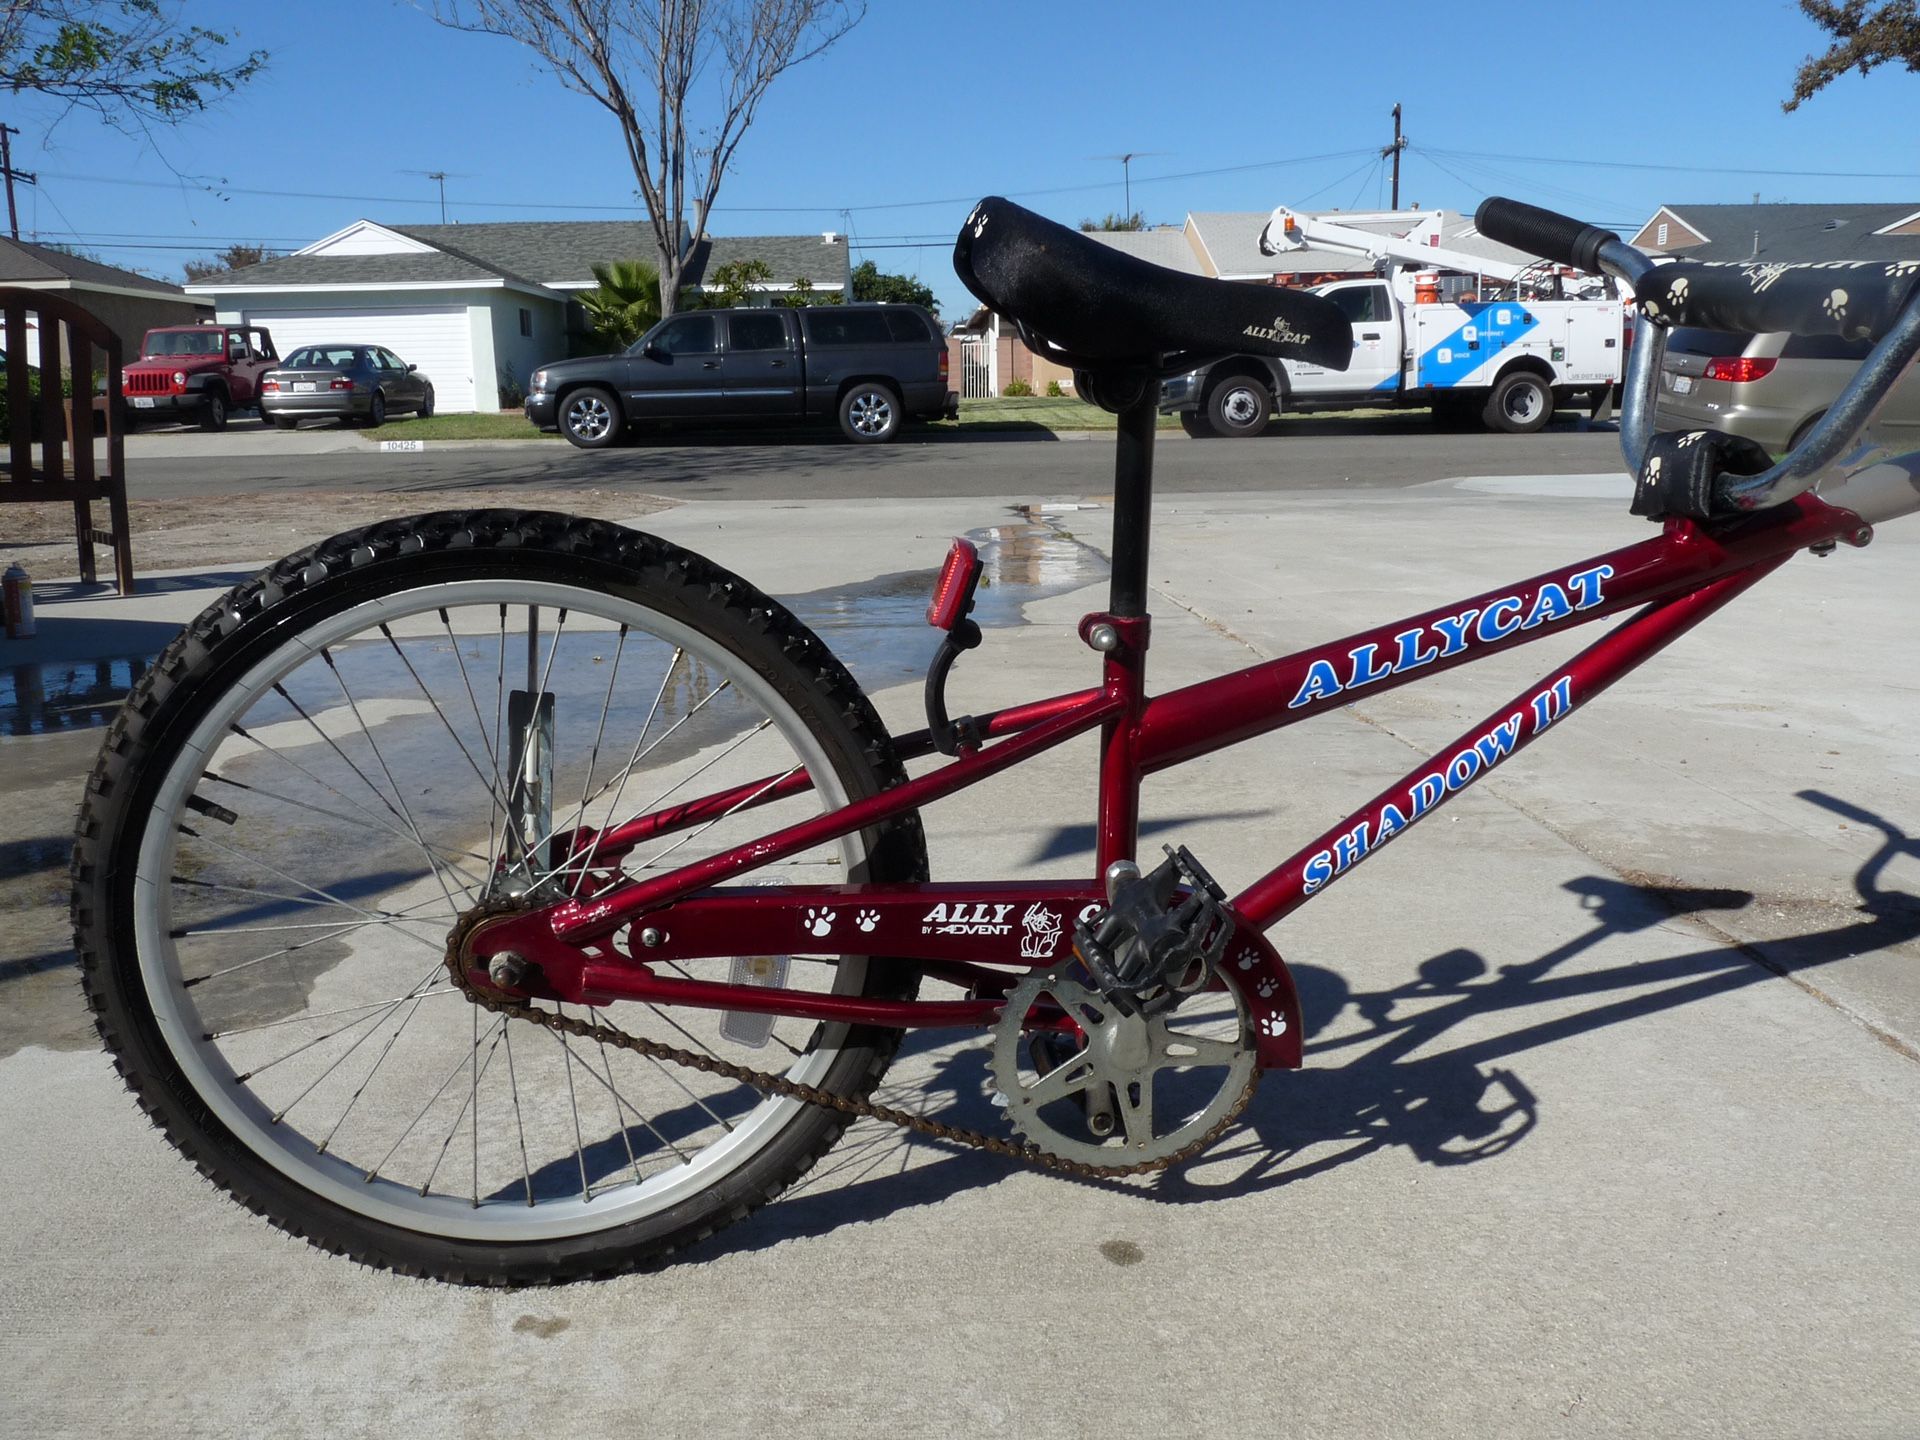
[(510, 426), (1042, 412), (1038, 413)]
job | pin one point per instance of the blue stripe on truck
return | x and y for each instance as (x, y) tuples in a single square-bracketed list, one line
[(1495, 325)]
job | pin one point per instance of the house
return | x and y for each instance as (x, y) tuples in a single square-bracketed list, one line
[(477, 307), (1808, 232), (129, 304)]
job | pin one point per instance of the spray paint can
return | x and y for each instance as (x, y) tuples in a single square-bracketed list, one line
[(16, 601)]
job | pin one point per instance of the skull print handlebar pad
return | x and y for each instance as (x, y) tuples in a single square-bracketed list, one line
[(1104, 308), (1855, 299)]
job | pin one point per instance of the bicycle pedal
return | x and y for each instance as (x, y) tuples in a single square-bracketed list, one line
[(1149, 946)]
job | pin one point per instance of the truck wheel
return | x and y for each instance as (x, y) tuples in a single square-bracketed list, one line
[(213, 416), (1196, 424), (1521, 403), (590, 418), (869, 413), (1239, 407)]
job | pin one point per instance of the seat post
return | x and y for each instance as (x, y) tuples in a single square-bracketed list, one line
[(1133, 502)]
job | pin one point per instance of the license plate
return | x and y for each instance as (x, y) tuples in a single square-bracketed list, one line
[(1683, 384), (143, 402), (303, 385)]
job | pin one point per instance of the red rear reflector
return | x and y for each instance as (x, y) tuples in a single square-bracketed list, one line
[(269, 384), (953, 591), (945, 362), (1739, 369), (339, 385)]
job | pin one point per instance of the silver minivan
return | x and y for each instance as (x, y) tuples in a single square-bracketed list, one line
[(1769, 388)]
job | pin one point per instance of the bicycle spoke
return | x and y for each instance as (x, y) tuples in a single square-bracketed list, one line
[(406, 811), (294, 879), (308, 1019), (432, 1100), (513, 1087), (451, 732), (573, 1102)]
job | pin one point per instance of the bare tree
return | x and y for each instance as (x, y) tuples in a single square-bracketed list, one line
[(682, 77), (1863, 37)]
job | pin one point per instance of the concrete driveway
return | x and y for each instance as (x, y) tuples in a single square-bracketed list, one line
[(1607, 1125)]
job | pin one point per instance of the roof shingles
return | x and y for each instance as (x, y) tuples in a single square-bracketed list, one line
[(557, 254)]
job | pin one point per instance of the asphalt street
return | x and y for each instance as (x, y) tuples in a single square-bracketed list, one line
[(1607, 1120), (1306, 453)]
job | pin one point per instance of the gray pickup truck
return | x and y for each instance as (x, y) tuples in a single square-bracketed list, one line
[(870, 367)]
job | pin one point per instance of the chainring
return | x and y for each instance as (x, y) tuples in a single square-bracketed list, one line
[(1127, 1054)]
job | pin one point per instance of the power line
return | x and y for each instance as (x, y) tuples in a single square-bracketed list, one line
[(830, 209), (1678, 169)]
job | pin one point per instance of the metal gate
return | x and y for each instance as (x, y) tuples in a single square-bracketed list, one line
[(976, 369)]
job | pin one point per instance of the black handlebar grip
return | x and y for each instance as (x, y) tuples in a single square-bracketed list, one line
[(1542, 232)]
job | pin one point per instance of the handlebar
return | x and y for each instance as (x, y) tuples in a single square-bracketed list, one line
[(1554, 237), (1567, 241)]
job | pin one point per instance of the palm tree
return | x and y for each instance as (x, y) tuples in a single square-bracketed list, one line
[(626, 303)]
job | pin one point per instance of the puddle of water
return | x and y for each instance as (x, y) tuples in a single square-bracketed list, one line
[(66, 694), (878, 627)]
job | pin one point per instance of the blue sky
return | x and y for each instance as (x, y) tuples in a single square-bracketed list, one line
[(928, 104)]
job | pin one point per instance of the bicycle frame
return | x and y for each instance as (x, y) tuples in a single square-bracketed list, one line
[(983, 936)]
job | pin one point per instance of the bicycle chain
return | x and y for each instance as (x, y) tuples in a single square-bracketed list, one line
[(770, 1083)]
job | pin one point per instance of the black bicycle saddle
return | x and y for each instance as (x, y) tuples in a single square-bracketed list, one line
[(1094, 308)]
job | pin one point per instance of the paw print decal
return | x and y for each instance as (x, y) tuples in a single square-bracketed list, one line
[(819, 922), (866, 920), (1653, 470), (1692, 437), (1247, 958), (979, 223), (1836, 304), (1273, 1025), (1267, 987), (1900, 269), (1651, 309), (1677, 292)]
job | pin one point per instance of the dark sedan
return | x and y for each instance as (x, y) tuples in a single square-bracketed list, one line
[(346, 382)]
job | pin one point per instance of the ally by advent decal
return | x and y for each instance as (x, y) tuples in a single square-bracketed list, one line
[(1458, 771)]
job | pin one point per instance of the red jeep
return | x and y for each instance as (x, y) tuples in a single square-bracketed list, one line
[(199, 371)]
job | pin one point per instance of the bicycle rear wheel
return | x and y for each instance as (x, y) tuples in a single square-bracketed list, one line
[(350, 751)]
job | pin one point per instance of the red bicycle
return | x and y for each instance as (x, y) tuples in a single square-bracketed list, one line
[(550, 976)]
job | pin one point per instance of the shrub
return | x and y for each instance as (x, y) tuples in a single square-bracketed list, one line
[(1054, 392), (1016, 390)]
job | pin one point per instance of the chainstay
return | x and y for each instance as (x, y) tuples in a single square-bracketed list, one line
[(770, 1083)]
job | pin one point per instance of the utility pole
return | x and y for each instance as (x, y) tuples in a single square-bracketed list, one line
[(1399, 144), (7, 132)]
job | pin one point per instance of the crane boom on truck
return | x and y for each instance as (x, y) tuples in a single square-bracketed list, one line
[(1437, 326)]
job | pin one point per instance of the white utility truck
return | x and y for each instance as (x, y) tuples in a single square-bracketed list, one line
[(1462, 334)]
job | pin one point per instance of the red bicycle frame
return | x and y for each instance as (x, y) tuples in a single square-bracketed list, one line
[(982, 936)]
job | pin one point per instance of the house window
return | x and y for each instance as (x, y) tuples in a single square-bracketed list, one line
[(1659, 239), (526, 322)]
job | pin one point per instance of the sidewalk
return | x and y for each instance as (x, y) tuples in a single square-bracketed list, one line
[(1607, 1125)]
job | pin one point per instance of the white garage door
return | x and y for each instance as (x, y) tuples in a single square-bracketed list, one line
[(437, 338)]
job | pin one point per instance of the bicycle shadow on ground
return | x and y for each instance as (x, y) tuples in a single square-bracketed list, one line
[(1368, 1090)]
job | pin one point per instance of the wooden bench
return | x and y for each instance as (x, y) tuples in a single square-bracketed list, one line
[(60, 422)]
